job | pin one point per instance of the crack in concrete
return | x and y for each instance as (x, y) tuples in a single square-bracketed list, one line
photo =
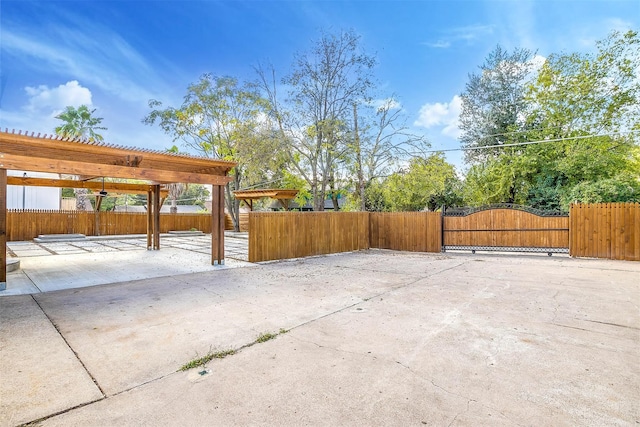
[(610, 324), (467, 398), (64, 411), (557, 306)]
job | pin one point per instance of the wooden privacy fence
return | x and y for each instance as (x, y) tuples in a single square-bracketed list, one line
[(283, 235), (610, 230), (27, 224), (406, 231), (605, 230), (244, 222)]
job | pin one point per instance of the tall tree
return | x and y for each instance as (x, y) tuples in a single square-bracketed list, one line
[(493, 114), (493, 103), (222, 118), (383, 141), (589, 104), (80, 123), (324, 85)]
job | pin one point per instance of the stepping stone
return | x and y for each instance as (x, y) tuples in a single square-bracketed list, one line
[(13, 264), (46, 238)]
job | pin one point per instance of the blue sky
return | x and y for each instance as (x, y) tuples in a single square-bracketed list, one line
[(116, 55)]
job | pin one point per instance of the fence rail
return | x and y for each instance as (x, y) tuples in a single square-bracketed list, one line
[(27, 224)]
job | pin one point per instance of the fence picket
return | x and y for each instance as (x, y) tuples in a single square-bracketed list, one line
[(30, 223)]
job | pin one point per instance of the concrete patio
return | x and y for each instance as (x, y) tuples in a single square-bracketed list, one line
[(369, 338), (53, 266)]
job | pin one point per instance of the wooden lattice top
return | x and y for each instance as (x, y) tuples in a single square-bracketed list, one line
[(21, 151)]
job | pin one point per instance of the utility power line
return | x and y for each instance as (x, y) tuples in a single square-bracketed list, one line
[(542, 141)]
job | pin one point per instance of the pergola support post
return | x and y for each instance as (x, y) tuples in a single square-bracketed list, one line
[(217, 225), (156, 217), (149, 219), (3, 229)]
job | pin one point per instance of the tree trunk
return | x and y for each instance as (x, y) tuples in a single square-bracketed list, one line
[(81, 199), (333, 193), (363, 206)]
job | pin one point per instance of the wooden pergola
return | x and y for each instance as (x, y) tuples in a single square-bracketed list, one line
[(90, 160), (283, 195)]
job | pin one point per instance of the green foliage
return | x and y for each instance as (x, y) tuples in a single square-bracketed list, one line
[(426, 184), (584, 104), (375, 198), (195, 194), (624, 187), (222, 118), (294, 182), (265, 336), (68, 192), (201, 361), (493, 103), (503, 179), (589, 102), (79, 123)]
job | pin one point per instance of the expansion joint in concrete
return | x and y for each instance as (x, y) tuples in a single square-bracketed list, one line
[(95, 381)]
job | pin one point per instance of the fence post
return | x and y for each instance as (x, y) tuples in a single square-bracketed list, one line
[(443, 249), (571, 218)]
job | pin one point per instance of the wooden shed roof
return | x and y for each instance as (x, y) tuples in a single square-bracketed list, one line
[(55, 154)]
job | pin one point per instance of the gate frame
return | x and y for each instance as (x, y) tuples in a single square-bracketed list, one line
[(466, 211)]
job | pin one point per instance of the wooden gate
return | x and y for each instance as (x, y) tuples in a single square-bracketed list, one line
[(510, 228)]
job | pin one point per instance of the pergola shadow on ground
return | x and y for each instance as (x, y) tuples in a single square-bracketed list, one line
[(375, 337), (90, 160), (53, 266)]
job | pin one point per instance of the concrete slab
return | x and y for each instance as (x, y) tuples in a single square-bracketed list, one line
[(90, 269), (31, 252), (18, 283), (377, 338), (220, 310), (40, 374)]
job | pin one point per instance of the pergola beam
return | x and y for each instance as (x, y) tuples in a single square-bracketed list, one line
[(121, 187), (57, 148), (37, 164)]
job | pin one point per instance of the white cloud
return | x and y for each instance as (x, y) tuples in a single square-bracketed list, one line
[(468, 34), (618, 24), (57, 98), (101, 58), (441, 44), (443, 115), (42, 105), (390, 103)]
